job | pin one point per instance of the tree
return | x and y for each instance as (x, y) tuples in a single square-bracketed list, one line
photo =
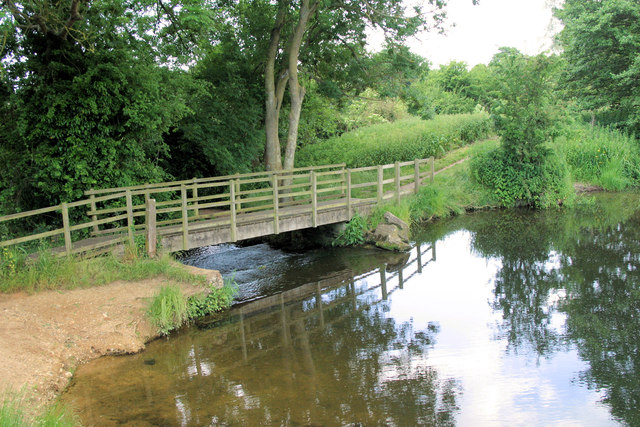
[(87, 99), (601, 42), (307, 29)]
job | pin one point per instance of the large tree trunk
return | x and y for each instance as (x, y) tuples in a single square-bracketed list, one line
[(274, 91), (296, 92)]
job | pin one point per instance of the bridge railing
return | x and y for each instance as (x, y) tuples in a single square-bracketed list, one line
[(115, 216)]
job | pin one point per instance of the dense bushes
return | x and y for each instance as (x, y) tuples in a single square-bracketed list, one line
[(541, 182), (399, 141)]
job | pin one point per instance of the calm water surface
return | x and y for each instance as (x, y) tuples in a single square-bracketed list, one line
[(495, 318)]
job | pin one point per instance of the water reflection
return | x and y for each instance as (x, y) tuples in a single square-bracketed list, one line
[(526, 318), (324, 353)]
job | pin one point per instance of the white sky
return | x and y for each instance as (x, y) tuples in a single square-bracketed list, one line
[(480, 30)]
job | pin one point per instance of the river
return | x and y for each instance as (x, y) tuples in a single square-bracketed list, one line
[(494, 318)]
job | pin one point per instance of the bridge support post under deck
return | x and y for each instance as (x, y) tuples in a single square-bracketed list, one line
[(150, 220)]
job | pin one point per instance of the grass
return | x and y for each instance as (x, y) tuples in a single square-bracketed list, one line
[(12, 413), (402, 140), (19, 272), (453, 191), (170, 309), (600, 156)]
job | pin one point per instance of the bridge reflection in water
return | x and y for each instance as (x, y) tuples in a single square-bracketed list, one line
[(323, 353), (278, 313)]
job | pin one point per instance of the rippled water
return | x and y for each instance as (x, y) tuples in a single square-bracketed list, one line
[(495, 318)]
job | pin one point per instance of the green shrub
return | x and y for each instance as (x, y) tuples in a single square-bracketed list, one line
[(539, 182), (217, 299), (402, 140), (353, 233)]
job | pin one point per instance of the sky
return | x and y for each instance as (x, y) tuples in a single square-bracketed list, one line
[(480, 30)]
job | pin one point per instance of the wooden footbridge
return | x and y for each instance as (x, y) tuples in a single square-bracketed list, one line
[(199, 212)]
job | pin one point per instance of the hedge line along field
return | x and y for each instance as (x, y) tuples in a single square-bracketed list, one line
[(399, 141)]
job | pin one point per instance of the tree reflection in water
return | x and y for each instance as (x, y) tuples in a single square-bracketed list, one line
[(582, 265)]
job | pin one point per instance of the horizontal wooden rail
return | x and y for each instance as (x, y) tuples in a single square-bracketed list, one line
[(185, 207)]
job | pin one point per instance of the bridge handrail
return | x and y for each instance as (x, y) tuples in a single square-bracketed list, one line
[(209, 179), (311, 189)]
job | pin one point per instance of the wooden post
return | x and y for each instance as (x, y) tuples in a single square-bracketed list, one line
[(194, 192), (380, 183), (150, 219), (242, 335), (94, 217), (433, 168), (349, 207), (130, 224), (416, 176), (67, 231), (319, 304), (383, 282), (185, 218), (238, 196), (232, 206), (276, 203), (397, 179), (314, 199)]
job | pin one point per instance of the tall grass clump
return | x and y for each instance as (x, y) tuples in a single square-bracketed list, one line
[(402, 140), (600, 156), (168, 309), (13, 413)]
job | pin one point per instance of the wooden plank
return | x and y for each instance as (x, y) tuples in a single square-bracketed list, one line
[(380, 183), (185, 219), (276, 220), (98, 222), (416, 177), (130, 223), (94, 217), (30, 213), (232, 204), (194, 194), (68, 245), (151, 231), (433, 168), (397, 181), (349, 207), (314, 200)]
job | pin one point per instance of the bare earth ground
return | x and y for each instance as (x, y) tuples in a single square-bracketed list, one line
[(45, 336)]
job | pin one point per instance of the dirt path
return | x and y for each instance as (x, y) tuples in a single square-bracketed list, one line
[(44, 337)]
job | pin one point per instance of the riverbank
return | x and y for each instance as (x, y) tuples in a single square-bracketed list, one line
[(45, 336)]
